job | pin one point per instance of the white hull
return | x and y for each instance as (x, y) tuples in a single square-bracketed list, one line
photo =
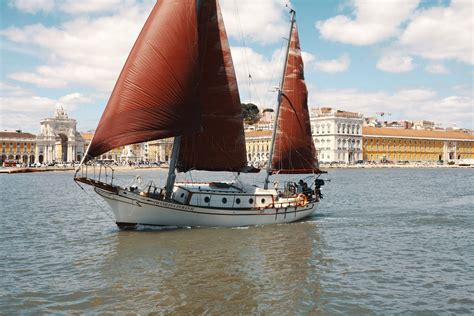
[(130, 209)]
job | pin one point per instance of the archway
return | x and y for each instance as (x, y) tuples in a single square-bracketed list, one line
[(2, 159), (32, 158), (25, 159), (40, 159), (63, 139)]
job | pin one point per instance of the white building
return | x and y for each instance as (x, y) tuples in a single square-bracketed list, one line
[(337, 135), (59, 140)]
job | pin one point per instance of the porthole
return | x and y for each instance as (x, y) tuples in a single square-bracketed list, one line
[(182, 195), (237, 201), (251, 201), (224, 200), (263, 200), (207, 199)]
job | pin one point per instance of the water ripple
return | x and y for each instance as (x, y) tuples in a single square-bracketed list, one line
[(383, 242)]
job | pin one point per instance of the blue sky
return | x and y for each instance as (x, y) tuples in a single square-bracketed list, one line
[(410, 58)]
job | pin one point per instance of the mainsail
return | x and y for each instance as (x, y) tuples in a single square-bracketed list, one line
[(220, 146), (156, 93), (294, 151)]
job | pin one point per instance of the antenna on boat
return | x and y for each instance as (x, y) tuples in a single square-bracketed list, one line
[(280, 98)]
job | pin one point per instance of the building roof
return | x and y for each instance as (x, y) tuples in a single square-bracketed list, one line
[(15, 134), (262, 133), (397, 132), (328, 111), (87, 136)]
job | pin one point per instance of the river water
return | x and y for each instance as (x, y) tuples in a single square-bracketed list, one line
[(383, 241)]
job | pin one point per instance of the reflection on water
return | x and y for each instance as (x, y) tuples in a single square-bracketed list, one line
[(383, 242), (251, 270)]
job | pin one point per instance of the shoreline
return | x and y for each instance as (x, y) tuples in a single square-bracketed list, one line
[(13, 170)]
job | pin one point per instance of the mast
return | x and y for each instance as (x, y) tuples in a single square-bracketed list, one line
[(280, 97), (172, 167), (176, 145)]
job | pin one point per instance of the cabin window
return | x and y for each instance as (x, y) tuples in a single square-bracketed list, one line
[(207, 199), (224, 200), (237, 201), (263, 200), (251, 201)]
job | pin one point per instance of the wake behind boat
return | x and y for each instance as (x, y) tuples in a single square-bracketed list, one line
[(179, 81)]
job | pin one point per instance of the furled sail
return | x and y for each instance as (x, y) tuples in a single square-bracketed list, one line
[(294, 150), (220, 146), (156, 93)]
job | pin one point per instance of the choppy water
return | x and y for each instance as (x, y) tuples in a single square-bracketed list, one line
[(384, 241)]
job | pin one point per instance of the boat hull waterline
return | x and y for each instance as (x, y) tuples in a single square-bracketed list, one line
[(132, 209)]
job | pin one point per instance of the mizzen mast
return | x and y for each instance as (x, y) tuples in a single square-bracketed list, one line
[(280, 98)]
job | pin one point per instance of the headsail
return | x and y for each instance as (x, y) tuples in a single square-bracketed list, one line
[(220, 146), (294, 151), (156, 94)]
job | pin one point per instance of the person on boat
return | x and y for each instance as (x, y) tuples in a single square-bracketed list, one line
[(300, 186)]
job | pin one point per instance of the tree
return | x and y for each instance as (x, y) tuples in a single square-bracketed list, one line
[(250, 113)]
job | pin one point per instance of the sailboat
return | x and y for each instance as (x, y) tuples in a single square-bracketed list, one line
[(179, 81)]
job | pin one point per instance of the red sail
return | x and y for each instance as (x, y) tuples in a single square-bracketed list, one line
[(294, 150), (220, 146), (155, 95)]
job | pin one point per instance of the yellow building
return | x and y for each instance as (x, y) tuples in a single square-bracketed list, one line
[(115, 154), (258, 145), (392, 144), (17, 146)]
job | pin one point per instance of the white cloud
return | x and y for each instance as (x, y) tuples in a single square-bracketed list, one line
[(436, 69), (415, 95), (262, 21), (265, 73), (87, 6), (373, 22), (410, 104), (84, 51), (42, 81), (395, 63), (340, 64), (24, 109), (32, 6), (442, 32)]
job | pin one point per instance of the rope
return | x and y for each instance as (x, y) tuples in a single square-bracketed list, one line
[(100, 206)]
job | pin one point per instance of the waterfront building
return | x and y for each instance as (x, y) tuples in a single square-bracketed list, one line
[(59, 140), (18, 146), (337, 135), (160, 150), (391, 144), (258, 146)]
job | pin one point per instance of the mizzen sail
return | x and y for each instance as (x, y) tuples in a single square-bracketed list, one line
[(220, 146), (156, 93), (294, 151)]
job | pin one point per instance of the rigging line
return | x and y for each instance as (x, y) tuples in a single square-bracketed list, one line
[(275, 66), (97, 203), (244, 47)]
